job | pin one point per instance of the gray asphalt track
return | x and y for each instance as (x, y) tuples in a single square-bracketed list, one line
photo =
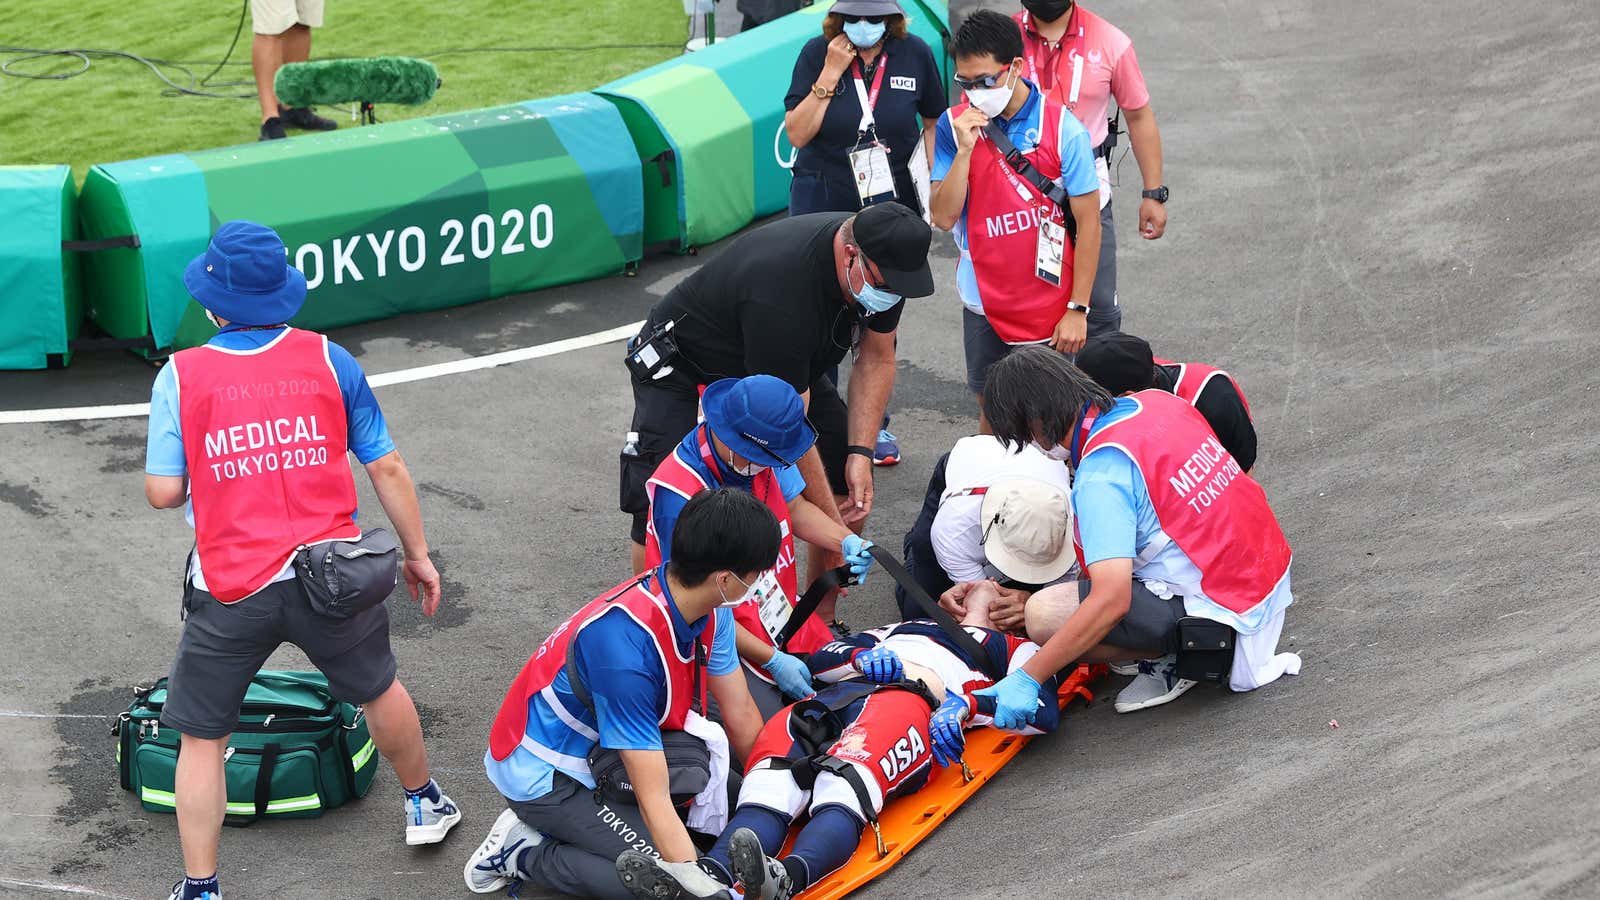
[(1382, 222)]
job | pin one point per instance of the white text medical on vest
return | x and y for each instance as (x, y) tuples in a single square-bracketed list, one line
[(374, 254), (277, 436), (1017, 221)]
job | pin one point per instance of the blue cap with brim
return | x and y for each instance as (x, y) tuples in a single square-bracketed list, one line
[(245, 277), (761, 418)]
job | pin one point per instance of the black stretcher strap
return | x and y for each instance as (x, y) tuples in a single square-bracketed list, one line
[(826, 582), (110, 243), (932, 610)]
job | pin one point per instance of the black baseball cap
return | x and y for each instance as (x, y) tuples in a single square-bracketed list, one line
[(1118, 362), (896, 240)]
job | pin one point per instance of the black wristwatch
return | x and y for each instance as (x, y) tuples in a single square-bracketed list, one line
[(858, 450), (1159, 195)]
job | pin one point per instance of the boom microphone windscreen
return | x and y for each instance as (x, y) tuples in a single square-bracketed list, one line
[(381, 79)]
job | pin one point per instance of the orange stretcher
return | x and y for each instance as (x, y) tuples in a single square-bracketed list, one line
[(906, 822)]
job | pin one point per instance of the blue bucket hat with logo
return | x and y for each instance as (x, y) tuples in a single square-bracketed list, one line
[(245, 277), (760, 417)]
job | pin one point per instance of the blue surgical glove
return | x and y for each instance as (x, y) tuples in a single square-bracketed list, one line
[(880, 664), (856, 556), (1016, 700), (945, 732), (792, 676)]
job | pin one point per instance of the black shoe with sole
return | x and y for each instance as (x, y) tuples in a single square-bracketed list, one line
[(303, 118), (272, 130)]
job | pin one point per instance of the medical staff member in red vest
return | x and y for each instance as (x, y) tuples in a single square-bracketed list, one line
[(631, 664), (755, 430), (1123, 364), (1169, 527), (1021, 278), (1083, 61), (252, 429)]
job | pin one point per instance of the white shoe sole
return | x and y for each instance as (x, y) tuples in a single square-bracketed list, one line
[(491, 844), (1178, 690), (417, 835)]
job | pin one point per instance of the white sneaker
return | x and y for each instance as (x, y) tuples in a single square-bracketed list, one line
[(763, 877), (1125, 668), (1155, 684), (427, 821), (494, 864), (650, 878)]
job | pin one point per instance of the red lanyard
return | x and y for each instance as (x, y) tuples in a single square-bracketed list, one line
[(1080, 435), (1073, 27), (877, 78)]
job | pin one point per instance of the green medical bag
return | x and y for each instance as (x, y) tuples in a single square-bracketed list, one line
[(297, 750)]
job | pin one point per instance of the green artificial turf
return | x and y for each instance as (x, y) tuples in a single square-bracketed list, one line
[(117, 110)]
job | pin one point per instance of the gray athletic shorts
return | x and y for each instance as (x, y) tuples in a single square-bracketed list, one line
[(1151, 622), (224, 645)]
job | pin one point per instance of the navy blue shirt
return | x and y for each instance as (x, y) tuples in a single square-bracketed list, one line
[(911, 89)]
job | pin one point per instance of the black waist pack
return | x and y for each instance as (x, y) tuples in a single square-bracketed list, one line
[(688, 770), (1205, 650), (343, 578)]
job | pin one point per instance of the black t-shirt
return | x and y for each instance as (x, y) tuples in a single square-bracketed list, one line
[(1222, 406), (770, 304), (911, 88)]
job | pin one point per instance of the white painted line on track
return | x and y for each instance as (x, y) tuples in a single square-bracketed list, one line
[(61, 888), (19, 714), (419, 373)]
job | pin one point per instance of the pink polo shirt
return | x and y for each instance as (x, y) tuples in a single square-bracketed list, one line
[(1110, 68)]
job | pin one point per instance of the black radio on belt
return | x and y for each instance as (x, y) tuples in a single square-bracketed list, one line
[(651, 352)]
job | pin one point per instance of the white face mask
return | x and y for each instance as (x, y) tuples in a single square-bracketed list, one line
[(737, 600), (1057, 453), (748, 470), (992, 101)]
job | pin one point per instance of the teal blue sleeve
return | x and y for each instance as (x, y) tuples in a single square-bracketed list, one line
[(724, 659), (163, 449), (1078, 176), (792, 482), (1104, 501)]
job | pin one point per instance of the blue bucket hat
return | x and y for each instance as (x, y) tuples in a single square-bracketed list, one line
[(761, 418), (245, 277)]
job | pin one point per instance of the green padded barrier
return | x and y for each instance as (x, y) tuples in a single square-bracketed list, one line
[(383, 220), (716, 112), (41, 308)]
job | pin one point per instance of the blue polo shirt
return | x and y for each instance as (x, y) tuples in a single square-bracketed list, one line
[(666, 508), (616, 658), (1078, 174)]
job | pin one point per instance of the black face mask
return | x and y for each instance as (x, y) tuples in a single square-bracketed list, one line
[(1047, 10)]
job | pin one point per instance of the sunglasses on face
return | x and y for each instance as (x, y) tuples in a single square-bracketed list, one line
[(982, 82), (876, 20)]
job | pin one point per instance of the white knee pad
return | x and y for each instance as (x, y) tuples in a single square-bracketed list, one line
[(831, 790), (774, 789)]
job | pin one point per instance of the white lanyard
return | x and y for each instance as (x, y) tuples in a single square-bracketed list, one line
[(868, 101)]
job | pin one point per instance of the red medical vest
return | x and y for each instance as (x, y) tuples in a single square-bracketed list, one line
[(264, 440), (1192, 378), (1216, 514), (643, 605), (1003, 213), (675, 475)]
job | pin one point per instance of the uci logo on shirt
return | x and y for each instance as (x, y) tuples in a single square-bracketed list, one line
[(902, 83)]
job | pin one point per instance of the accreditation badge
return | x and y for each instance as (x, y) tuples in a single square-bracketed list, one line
[(1052, 247), (874, 180), (771, 602)]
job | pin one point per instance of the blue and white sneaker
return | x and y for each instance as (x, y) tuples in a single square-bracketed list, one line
[(177, 893), (494, 864), (887, 451), (428, 821), (1156, 683)]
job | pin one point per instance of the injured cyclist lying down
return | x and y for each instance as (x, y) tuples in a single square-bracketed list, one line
[(896, 701)]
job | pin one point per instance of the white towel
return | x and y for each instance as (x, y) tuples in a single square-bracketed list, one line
[(708, 812)]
